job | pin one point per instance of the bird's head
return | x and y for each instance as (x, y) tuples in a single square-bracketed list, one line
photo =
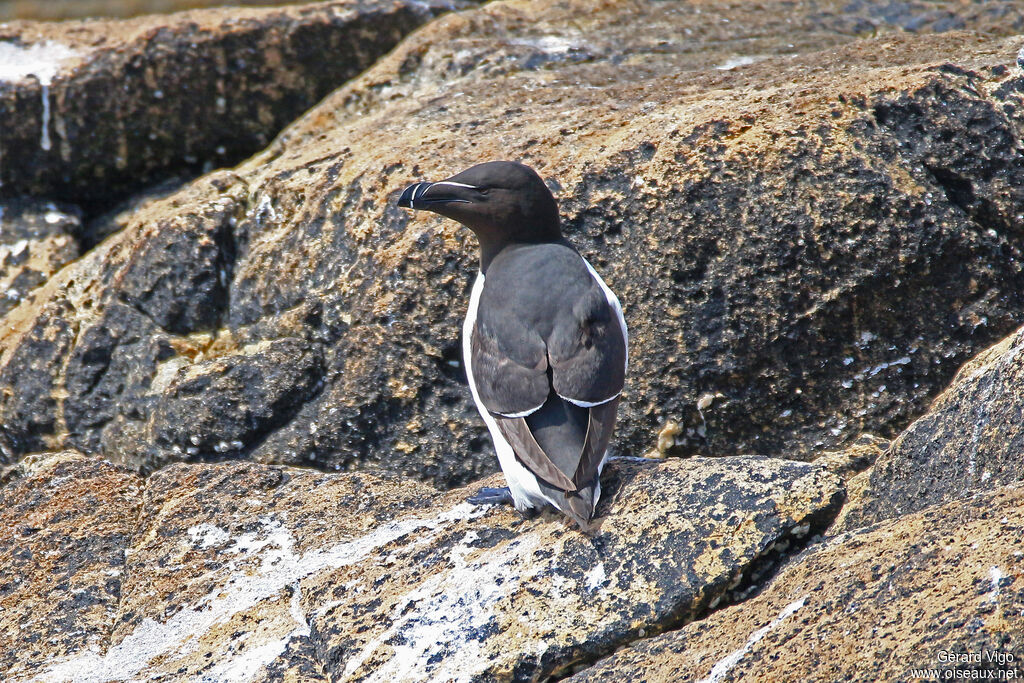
[(500, 201)]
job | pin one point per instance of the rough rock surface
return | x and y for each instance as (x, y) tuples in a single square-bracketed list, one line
[(871, 605), (102, 108), (243, 571), (36, 240), (827, 227), (55, 10), (971, 440), (812, 215), (855, 458), (64, 528)]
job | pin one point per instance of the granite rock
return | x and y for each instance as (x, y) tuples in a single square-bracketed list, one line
[(853, 460), (36, 240), (58, 10), (242, 571), (811, 211), (66, 523), (970, 441), (94, 109), (875, 604), (827, 226)]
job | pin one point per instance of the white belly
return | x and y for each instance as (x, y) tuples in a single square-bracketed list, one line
[(521, 481)]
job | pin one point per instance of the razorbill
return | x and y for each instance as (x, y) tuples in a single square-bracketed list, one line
[(544, 341)]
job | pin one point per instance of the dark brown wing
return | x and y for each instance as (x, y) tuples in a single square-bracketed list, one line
[(572, 456), (599, 433), (517, 432), (587, 350), (509, 367)]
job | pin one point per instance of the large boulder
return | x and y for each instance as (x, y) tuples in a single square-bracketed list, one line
[(56, 10), (243, 571), (808, 240), (971, 440), (934, 595), (66, 522), (91, 110), (100, 333)]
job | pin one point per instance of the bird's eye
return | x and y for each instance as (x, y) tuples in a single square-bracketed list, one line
[(484, 190)]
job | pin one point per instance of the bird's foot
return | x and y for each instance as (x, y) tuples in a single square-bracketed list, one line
[(528, 513), (525, 516), (492, 496)]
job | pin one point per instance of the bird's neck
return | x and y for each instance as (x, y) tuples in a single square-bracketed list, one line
[(493, 243), (489, 250), (487, 253)]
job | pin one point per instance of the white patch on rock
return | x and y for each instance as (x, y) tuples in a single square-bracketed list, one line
[(550, 44), (722, 668), (596, 577), (42, 60), (295, 607), (447, 609), (206, 535), (280, 566), (265, 208), (15, 249), (245, 668), (736, 62), (885, 366), (996, 575)]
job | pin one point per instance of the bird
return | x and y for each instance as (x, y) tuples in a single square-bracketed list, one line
[(545, 344)]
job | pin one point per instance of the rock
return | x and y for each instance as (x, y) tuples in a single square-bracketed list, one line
[(91, 341), (826, 233), (261, 388), (872, 605), (65, 526), (58, 10), (246, 571), (970, 441), (36, 240), (9, 473), (853, 465), (855, 458), (30, 371), (92, 110)]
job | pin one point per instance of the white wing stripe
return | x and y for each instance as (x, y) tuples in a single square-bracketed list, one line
[(524, 413), (586, 404)]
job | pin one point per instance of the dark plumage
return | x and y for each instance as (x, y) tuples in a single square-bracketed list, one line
[(544, 338)]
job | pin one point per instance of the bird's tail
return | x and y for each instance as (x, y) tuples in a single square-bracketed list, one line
[(580, 508), (578, 505)]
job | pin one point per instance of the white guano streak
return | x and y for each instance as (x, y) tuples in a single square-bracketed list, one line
[(433, 620), (726, 664), (42, 60), (181, 634)]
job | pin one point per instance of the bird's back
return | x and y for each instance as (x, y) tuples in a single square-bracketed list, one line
[(534, 285)]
